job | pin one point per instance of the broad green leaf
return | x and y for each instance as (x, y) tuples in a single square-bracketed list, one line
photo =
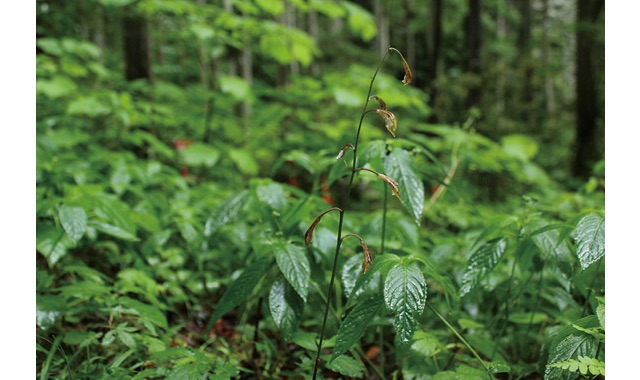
[(88, 106), (189, 371), (520, 146), (225, 213), (381, 264), (356, 323), (347, 366), (399, 166), (112, 230), (570, 343), (360, 21), (74, 221), (235, 86), (53, 243), (48, 309), (569, 348), (56, 87), (590, 239), (405, 293), (286, 307), (549, 243), (200, 154), (350, 272), (272, 195), (241, 288), (294, 265), (481, 262), (244, 161), (148, 312), (274, 7), (114, 213)]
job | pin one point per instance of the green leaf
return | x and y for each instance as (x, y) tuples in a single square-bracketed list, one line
[(57, 87), (590, 239), (481, 262), (244, 161), (570, 343), (405, 293), (286, 307), (272, 195), (200, 154), (53, 243), (399, 166), (356, 323), (225, 213), (294, 265), (360, 21), (381, 264), (74, 221), (189, 371), (88, 106), (347, 366), (241, 288), (148, 312), (48, 309), (235, 86), (112, 230), (520, 146), (116, 216)]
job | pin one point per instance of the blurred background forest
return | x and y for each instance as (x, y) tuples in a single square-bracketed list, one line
[(153, 113)]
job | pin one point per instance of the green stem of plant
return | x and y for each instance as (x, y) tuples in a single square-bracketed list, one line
[(457, 334), (340, 223)]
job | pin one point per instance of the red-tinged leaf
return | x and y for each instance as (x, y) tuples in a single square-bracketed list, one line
[(367, 260), (389, 121)]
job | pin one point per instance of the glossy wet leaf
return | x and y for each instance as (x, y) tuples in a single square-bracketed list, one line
[(405, 294), (286, 307), (481, 263), (590, 239), (399, 165), (53, 243), (356, 323), (570, 343), (227, 212), (294, 265)]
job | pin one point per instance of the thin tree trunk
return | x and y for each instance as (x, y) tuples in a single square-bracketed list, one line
[(587, 107), (313, 32), (524, 57), (382, 20), (548, 78), (434, 48), (473, 42), (136, 47)]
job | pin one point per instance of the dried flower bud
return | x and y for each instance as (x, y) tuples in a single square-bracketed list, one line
[(390, 181), (308, 235), (343, 150), (389, 121), (408, 77), (367, 260), (383, 105)]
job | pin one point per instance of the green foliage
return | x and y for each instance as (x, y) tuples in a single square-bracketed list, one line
[(171, 215)]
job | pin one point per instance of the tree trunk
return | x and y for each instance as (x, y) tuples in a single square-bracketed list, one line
[(587, 107), (434, 48), (524, 53), (473, 42), (136, 47)]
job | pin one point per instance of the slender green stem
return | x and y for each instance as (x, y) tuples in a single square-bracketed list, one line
[(457, 334), (340, 223)]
